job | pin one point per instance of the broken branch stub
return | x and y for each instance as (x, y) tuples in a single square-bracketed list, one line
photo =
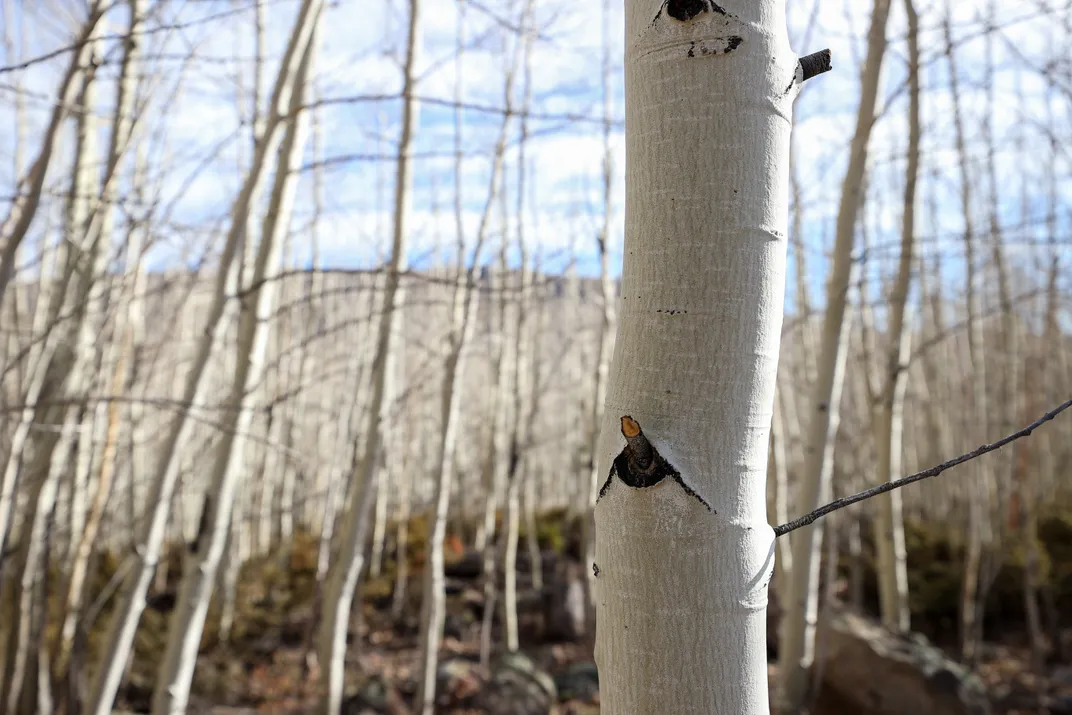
[(639, 465)]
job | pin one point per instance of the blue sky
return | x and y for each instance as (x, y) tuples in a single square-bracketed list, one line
[(194, 126)]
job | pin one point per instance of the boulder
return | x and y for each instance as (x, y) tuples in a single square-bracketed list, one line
[(882, 673), (579, 682), (374, 697), (468, 566), (519, 687), (458, 681)]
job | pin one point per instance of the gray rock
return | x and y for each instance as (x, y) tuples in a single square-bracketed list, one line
[(1061, 705), (1062, 676), (519, 687), (885, 674), (458, 680), (579, 682)]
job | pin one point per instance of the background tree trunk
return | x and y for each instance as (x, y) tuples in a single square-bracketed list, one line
[(796, 652)]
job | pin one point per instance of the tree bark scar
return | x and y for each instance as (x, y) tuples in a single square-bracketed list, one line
[(685, 10), (639, 465), (714, 46)]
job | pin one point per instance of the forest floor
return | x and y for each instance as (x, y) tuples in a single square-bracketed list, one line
[(264, 666)]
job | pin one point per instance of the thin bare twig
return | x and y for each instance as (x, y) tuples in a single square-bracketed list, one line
[(919, 476)]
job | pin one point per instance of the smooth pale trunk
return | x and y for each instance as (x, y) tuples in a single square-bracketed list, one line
[(682, 591), (889, 528), (797, 638), (175, 673), (23, 210), (608, 322), (131, 600), (108, 412), (433, 603), (345, 571), (975, 374), (65, 373)]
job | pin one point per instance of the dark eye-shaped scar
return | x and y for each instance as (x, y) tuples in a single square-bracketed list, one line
[(640, 465)]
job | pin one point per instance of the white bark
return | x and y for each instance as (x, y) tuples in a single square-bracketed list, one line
[(24, 208), (344, 572), (889, 420), (976, 374), (682, 588), (796, 651), (122, 372), (608, 319), (175, 674), (131, 601)]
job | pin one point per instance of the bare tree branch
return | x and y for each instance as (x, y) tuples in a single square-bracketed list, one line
[(919, 476)]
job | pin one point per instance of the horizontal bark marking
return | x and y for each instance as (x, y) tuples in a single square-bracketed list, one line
[(714, 46)]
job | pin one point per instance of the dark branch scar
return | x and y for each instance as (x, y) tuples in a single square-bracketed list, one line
[(639, 465), (685, 10)]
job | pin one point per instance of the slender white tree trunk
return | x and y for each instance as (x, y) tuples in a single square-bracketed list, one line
[(344, 572), (796, 651), (684, 555), (23, 210), (889, 422), (176, 670), (608, 321), (976, 374), (131, 601)]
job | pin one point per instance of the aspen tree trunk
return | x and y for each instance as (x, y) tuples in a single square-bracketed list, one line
[(344, 572), (608, 321), (683, 565), (519, 468), (889, 527), (778, 484), (176, 670), (122, 372), (379, 524), (511, 529), (64, 368), (976, 375), (344, 436), (1024, 400), (539, 329), (402, 482), (796, 652), (500, 449), (938, 426), (464, 308), (433, 608), (131, 601), (24, 208)]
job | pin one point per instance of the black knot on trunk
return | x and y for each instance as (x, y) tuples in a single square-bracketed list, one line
[(685, 10)]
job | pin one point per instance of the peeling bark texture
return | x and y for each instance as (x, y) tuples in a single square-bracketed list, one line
[(681, 591)]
